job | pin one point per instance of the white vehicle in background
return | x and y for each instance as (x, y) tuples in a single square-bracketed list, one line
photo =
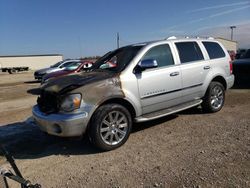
[(53, 68)]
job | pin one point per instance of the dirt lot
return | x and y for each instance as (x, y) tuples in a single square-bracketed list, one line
[(189, 149)]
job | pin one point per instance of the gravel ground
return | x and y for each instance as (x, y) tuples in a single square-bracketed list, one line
[(188, 149)]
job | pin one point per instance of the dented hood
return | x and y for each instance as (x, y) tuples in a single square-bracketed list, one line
[(67, 83)]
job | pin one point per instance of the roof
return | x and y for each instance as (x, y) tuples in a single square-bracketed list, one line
[(32, 55)]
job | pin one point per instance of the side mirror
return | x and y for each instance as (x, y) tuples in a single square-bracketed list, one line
[(145, 64)]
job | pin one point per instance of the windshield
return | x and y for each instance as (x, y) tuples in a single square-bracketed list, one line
[(72, 66), (56, 65), (116, 60)]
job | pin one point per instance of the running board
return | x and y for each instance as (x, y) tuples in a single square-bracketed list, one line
[(168, 111)]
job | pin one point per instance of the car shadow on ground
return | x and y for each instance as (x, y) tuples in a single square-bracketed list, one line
[(32, 82), (145, 125), (24, 140)]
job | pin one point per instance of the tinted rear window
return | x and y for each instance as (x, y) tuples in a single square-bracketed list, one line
[(189, 51), (214, 50)]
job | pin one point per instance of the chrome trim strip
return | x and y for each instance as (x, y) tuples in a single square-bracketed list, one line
[(172, 91)]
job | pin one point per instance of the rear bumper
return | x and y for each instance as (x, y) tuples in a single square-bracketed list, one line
[(64, 125), (230, 81)]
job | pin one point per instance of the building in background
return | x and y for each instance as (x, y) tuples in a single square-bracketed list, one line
[(230, 45), (34, 62)]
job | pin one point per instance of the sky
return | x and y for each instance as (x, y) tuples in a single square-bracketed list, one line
[(80, 28)]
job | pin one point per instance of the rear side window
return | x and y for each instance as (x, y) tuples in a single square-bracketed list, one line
[(162, 54), (214, 50), (189, 51)]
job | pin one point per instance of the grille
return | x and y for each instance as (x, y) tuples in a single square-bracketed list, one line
[(48, 102)]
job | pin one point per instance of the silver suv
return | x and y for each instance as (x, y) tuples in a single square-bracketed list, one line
[(136, 83)]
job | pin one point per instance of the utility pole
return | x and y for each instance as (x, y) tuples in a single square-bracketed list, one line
[(232, 31), (80, 46), (118, 39)]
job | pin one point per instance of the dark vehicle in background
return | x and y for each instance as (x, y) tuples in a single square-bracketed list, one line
[(239, 53), (74, 67), (241, 69), (56, 67)]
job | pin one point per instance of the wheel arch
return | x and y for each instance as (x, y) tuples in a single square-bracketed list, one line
[(123, 102), (221, 80), (116, 100)]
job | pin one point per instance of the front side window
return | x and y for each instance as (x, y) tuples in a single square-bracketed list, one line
[(162, 54), (214, 50), (189, 51)]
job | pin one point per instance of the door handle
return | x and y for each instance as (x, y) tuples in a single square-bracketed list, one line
[(174, 74), (206, 67)]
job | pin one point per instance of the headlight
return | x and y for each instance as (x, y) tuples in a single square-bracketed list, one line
[(71, 102), (44, 80)]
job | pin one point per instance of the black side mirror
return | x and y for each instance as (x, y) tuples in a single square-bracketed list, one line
[(145, 64)]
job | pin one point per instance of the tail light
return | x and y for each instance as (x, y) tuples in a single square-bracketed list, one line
[(231, 67)]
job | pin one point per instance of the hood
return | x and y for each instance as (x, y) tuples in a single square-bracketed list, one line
[(73, 81), (43, 71), (56, 74)]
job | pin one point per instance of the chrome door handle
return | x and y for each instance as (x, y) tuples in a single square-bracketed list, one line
[(174, 73), (206, 67)]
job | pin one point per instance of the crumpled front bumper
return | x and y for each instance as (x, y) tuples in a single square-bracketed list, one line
[(64, 125)]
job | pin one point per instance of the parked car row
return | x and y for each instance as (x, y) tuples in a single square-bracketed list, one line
[(62, 68)]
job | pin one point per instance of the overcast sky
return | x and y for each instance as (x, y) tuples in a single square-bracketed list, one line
[(83, 28)]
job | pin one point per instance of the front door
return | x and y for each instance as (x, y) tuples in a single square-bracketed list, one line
[(159, 87)]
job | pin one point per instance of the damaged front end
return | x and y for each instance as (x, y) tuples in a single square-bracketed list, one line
[(48, 102), (65, 105)]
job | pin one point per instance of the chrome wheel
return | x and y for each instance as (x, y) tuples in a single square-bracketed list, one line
[(217, 97), (114, 127)]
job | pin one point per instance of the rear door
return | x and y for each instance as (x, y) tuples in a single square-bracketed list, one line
[(160, 87), (194, 69)]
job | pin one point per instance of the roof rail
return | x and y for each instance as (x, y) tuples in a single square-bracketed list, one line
[(172, 37), (187, 37)]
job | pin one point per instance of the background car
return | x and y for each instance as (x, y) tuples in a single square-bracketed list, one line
[(74, 67), (56, 67), (241, 69)]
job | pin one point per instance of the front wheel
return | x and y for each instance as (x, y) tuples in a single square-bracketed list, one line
[(110, 127), (214, 97)]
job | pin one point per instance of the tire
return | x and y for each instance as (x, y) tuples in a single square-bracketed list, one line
[(110, 127), (214, 98)]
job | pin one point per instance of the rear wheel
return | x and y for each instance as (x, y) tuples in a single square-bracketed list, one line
[(110, 126), (214, 97)]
